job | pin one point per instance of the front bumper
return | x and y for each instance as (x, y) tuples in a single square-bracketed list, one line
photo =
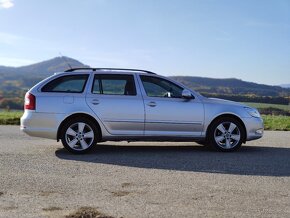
[(254, 127)]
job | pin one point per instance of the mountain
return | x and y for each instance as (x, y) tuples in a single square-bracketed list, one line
[(16, 80), (43, 68)]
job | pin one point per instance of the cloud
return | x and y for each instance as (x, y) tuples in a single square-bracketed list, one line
[(9, 39), (6, 3), (15, 62)]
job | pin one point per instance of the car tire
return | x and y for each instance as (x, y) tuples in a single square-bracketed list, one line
[(79, 135), (226, 134)]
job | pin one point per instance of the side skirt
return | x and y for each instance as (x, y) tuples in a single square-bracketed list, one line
[(153, 138)]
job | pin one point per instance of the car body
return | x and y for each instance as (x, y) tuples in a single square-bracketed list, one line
[(84, 106)]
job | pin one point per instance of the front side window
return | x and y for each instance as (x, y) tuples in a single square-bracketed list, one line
[(67, 84), (112, 84), (158, 87)]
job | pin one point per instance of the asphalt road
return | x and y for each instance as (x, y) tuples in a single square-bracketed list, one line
[(41, 179)]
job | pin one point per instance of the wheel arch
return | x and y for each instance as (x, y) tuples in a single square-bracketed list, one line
[(78, 115), (227, 116)]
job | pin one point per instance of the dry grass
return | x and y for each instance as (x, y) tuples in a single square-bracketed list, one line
[(120, 193), (87, 212), (52, 208)]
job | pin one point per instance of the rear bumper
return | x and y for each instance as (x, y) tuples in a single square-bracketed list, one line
[(254, 127), (44, 125)]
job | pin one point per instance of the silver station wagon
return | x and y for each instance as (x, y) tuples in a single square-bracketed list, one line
[(84, 106)]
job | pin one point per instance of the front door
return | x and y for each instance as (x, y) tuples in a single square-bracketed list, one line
[(166, 112)]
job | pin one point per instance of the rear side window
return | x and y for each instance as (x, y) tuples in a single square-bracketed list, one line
[(112, 84), (67, 84)]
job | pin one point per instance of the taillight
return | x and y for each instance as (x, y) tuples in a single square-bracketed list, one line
[(29, 101)]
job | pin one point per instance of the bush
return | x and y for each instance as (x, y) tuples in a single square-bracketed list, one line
[(274, 111), (12, 103)]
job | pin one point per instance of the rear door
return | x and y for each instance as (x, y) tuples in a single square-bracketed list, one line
[(117, 101)]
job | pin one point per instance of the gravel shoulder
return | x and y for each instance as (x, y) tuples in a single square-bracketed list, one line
[(41, 179)]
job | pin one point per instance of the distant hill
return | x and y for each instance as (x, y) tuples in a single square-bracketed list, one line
[(285, 85), (231, 86), (15, 81), (22, 78)]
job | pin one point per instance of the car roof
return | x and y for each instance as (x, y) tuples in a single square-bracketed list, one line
[(108, 70)]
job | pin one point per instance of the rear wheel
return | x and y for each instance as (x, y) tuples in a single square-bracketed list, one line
[(226, 134), (79, 135)]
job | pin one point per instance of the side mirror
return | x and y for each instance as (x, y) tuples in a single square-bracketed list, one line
[(187, 94)]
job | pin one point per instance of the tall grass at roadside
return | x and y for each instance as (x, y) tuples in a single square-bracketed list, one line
[(276, 122), (10, 118)]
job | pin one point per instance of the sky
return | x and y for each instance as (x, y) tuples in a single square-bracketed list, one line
[(244, 39)]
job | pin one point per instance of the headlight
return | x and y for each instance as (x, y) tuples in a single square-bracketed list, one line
[(253, 112)]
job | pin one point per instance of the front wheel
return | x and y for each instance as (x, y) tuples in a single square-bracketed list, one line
[(79, 135), (226, 134)]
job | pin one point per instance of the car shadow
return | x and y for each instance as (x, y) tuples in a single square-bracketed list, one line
[(249, 160)]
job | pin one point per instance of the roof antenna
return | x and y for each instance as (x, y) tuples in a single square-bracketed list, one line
[(64, 58)]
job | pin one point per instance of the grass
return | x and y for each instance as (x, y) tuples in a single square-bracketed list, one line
[(271, 122), (264, 105), (10, 118), (276, 122)]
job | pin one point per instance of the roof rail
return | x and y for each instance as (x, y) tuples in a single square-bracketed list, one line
[(95, 69)]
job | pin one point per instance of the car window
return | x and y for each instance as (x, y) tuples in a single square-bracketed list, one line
[(113, 84), (68, 84), (158, 87)]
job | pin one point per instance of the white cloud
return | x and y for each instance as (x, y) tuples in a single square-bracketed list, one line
[(9, 39), (15, 62), (6, 3)]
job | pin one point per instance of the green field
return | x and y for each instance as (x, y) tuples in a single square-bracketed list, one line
[(271, 122), (264, 105), (276, 122), (10, 118)]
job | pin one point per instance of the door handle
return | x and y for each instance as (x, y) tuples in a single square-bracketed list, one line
[(152, 104), (95, 101)]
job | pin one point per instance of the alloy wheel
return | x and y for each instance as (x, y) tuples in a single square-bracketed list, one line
[(79, 136), (227, 135)]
